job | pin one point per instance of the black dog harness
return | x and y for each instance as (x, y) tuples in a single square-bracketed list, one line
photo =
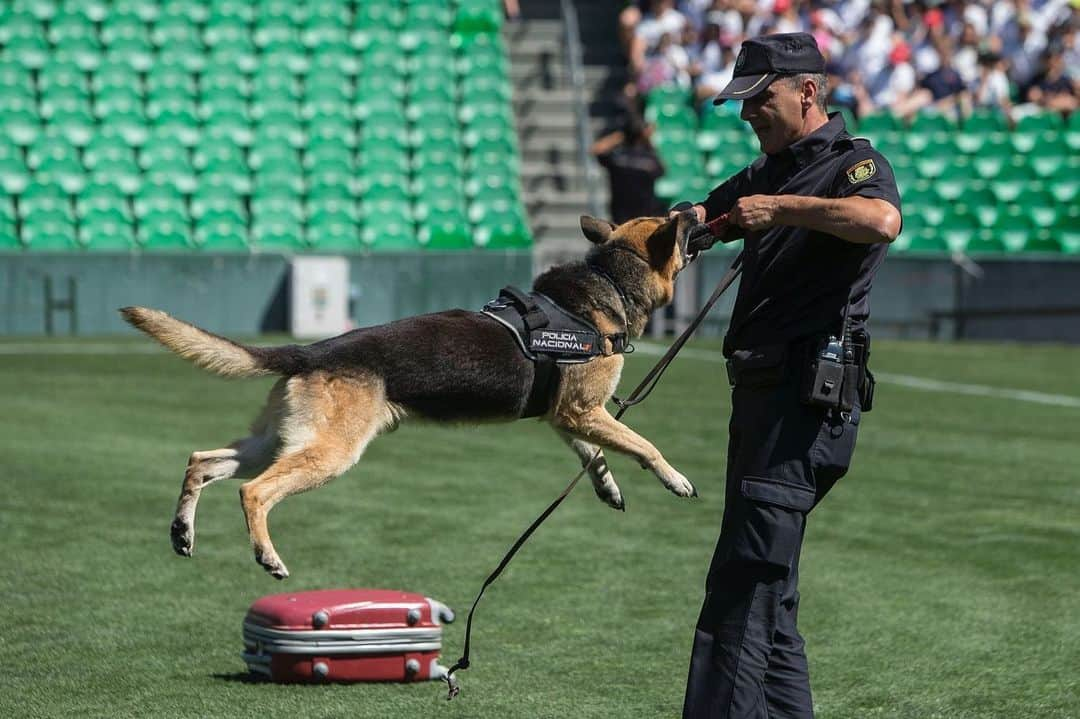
[(549, 336)]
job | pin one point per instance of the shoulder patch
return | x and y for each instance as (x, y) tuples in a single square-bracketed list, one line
[(860, 171)]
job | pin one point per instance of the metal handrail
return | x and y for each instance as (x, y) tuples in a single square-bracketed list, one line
[(576, 67)]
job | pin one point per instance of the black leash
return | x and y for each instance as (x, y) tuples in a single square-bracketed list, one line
[(644, 388)]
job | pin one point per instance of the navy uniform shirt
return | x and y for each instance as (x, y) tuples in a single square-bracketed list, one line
[(796, 281)]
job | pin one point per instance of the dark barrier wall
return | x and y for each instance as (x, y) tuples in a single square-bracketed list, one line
[(1011, 299), (1031, 298), (235, 294)]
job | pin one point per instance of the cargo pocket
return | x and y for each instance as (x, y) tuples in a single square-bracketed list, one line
[(771, 526)]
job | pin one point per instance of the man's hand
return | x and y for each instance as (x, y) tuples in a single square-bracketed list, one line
[(756, 212)]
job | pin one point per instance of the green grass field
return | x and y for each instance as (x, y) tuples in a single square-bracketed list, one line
[(940, 578)]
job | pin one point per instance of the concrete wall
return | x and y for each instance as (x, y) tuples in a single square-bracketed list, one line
[(237, 294), (1032, 299)]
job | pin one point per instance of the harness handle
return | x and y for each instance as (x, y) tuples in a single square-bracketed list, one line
[(636, 396)]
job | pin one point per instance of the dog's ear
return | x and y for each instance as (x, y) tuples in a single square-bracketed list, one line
[(597, 231), (661, 243)]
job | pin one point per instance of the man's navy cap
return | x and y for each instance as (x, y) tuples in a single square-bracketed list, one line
[(762, 59)]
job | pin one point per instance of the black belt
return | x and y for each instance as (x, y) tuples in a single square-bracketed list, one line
[(770, 364)]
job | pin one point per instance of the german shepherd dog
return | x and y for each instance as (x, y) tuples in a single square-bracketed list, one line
[(336, 395)]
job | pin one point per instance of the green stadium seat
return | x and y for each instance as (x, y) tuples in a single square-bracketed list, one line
[(178, 41), (9, 239), (277, 231), (15, 80), (980, 201), (1072, 132), (55, 160), (877, 123), (103, 200), (983, 124), (993, 158), (932, 165), (503, 230), (332, 129), (1049, 157), (110, 160), (24, 41), (954, 179), (175, 116), (71, 116), (222, 163), (49, 233), (162, 198), (166, 82), (113, 76), (1067, 230), (127, 40), (478, 16), (1011, 180), (388, 232), (1013, 228), (210, 205), (373, 19), (927, 239), (226, 120), (1042, 240), (928, 130), (333, 232), (164, 231), (326, 24), (20, 120), (958, 227), (1039, 206), (985, 241), (93, 10), (164, 160), (220, 10), (1065, 186), (105, 231), (1034, 128), (221, 236), (14, 177), (42, 10), (61, 77)]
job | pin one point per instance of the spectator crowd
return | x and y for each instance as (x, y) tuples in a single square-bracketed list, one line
[(1018, 56)]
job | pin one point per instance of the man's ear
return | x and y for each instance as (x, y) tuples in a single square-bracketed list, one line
[(661, 243), (597, 231)]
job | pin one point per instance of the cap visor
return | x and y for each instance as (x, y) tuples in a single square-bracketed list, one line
[(741, 88)]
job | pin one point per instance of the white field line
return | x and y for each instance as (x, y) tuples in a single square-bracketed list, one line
[(922, 383), (930, 385)]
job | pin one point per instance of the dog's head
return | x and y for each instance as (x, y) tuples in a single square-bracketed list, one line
[(660, 244)]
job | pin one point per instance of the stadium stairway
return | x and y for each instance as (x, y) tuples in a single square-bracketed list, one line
[(554, 180)]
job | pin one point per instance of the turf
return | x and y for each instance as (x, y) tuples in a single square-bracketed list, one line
[(939, 578)]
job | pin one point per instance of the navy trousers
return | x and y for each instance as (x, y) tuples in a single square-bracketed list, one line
[(748, 660)]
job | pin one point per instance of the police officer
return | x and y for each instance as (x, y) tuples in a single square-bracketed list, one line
[(816, 212)]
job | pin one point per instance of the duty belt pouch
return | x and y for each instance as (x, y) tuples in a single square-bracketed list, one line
[(825, 374), (760, 367)]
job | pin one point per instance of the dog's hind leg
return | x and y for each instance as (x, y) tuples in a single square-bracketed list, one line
[(602, 480), (329, 423), (243, 458), (598, 426)]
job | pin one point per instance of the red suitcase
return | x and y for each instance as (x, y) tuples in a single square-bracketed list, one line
[(346, 635)]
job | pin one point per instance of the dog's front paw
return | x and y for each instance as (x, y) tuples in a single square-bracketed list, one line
[(183, 537), (678, 484)]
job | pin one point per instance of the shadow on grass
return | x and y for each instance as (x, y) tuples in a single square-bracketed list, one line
[(241, 678)]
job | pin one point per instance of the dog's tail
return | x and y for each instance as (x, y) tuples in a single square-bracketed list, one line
[(217, 354)]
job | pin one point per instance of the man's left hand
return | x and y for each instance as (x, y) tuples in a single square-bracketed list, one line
[(756, 212)]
